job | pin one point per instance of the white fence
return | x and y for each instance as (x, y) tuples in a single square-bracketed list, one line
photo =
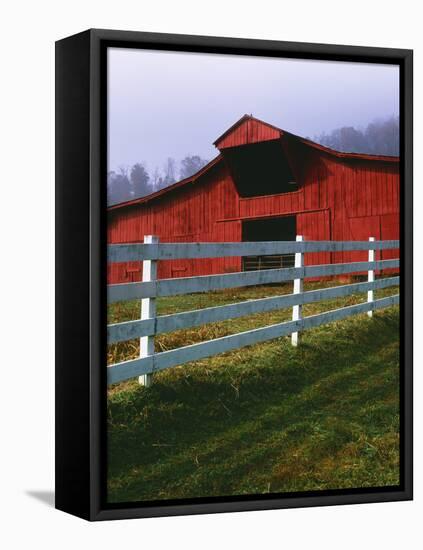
[(150, 324)]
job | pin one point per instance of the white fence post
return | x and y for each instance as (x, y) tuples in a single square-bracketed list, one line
[(371, 277), (148, 310), (298, 287)]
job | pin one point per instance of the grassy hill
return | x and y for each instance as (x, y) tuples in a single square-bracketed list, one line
[(266, 418)]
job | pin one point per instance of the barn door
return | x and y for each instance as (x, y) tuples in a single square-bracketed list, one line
[(270, 229)]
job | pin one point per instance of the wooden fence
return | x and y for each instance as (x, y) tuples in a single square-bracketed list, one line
[(150, 324)]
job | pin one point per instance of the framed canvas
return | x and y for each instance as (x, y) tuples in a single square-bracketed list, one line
[(233, 274)]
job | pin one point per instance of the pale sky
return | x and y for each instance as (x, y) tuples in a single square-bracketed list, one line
[(173, 104)]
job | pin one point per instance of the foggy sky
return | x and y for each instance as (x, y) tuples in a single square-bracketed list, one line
[(170, 104)]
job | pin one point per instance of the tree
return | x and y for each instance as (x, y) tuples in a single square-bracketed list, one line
[(190, 165), (155, 177), (381, 137), (118, 186), (110, 177), (140, 181), (346, 139), (352, 140)]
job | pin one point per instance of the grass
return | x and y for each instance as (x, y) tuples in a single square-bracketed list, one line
[(266, 418)]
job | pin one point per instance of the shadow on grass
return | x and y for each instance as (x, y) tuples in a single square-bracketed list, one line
[(266, 418)]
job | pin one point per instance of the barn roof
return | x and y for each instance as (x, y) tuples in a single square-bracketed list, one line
[(274, 133), (278, 132)]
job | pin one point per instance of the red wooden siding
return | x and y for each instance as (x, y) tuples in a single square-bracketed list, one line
[(315, 226), (248, 131), (339, 198)]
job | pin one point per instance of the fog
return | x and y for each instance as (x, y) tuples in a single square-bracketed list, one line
[(171, 104)]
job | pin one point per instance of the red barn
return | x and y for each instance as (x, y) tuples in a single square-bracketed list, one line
[(266, 184)]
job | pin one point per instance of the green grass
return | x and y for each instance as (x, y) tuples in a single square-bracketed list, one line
[(266, 418)]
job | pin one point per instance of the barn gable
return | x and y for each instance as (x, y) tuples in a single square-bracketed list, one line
[(245, 131)]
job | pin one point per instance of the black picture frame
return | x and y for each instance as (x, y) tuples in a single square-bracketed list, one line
[(81, 155)]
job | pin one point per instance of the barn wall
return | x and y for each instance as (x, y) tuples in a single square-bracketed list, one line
[(338, 199), (196, 213)]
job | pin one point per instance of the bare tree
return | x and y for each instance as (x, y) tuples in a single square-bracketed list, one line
[(155, 178), (169, 170)]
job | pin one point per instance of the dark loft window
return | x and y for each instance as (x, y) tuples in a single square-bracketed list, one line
[(272, 229), (260, 169)]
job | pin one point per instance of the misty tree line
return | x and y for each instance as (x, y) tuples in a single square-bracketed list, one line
[(380, 137), (135, 181)]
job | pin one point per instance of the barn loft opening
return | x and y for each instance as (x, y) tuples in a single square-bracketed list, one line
[(272, 229), (260, 169)]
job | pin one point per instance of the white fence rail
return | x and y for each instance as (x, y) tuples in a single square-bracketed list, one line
[(150, 324)]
